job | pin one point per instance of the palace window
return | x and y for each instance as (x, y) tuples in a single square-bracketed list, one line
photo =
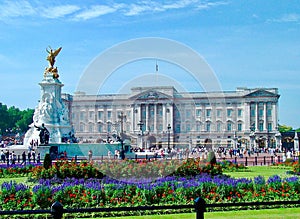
[(108, 127), (208, 113), (160, 127), (240, 112), (81, 127), (270, 126), (100, 127), (198, 126), (188, 114), (188, 127), (100, 115), (239, 127), (229, 126), (261, 126), (198, 112), (208, 127), (229, 112), (91, 127), (108, 115), (177, 128), (269, 112), (252, 112), (219, 127), (82, 116), (219, 113), (91, 115), (261, 112)]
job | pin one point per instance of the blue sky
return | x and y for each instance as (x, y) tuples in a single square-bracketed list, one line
[(250, 43)]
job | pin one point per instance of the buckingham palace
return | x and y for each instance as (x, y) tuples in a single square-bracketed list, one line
[(146, 116)]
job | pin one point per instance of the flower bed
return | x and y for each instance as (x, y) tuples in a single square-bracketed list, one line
[(64, 168), (232, 166), (290, 163), (134, 183), (128, 169), (74, 193), (182, 186), (16, 170)]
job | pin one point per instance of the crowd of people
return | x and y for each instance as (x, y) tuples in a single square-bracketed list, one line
[(25, 158)]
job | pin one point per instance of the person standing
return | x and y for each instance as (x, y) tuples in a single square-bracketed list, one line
[(29, 156), (90, 155), (33, 155), (38, 159), (13, 157), (23, 158), (2, 157)]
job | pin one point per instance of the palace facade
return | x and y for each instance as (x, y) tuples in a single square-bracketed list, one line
[(162, 115)]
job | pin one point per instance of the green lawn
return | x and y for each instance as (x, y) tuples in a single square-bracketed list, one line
[(265, 171), (281, 213), (17, 179)]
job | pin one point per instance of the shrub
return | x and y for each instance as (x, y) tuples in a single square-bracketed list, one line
[(211, 158), (64, 169), (47, 161)]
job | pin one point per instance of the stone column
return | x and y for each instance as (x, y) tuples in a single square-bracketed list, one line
[(133, 123), (164, 119), (247, 116), (256, 117), (275, 115), (170, 121), (139, 113), (147, 118), (265, 117), (155, 119)]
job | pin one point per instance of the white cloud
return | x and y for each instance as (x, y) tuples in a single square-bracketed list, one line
[(207, 5), (59, 11), (286, 18), (140, 7), (96, 11), (21, 8), (16, 9), (180, 4), (151, 6)]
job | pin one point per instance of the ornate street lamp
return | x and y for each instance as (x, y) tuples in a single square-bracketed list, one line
[(169, 128), (122, 118), (141, 124)]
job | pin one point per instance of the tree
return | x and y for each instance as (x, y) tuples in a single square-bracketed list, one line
[(4, 118), (25, 120), (284, 128), (14, 119)]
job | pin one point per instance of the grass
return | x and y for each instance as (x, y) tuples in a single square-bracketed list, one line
[(17, 179), (279, 213), (265, 171)]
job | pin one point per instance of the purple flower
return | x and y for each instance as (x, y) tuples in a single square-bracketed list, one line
[(274, 179)]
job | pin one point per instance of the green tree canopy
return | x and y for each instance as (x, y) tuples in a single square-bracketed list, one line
[(285, 128), (14, 119)]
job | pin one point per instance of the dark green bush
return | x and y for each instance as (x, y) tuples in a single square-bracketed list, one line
[(47, 161)]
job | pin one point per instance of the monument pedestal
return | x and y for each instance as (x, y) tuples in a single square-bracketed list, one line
[(51, 111)]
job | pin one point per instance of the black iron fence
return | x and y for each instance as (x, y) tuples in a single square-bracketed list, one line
[(200, 207), (246, 160)]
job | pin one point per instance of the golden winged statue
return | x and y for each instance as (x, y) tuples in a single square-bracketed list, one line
[(51, 55)]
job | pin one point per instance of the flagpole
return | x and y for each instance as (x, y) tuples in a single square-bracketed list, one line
[(156, 72)]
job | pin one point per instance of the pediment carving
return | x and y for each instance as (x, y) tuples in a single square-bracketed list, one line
[(261, 93), (150, 95)]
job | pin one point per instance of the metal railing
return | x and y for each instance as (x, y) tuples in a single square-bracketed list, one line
[(199, 206)]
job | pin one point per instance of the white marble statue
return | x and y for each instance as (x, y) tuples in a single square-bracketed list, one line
[(51, 110)]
